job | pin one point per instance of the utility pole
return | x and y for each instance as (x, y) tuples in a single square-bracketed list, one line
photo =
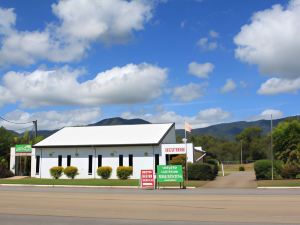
[(35, 128), (272, 155)]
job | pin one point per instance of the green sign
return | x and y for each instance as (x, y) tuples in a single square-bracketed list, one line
[(169, 173), (23, 148)]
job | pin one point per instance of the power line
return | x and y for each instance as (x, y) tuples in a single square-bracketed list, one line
[(8, 121)]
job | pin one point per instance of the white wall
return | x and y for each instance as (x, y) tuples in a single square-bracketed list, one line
[(12, 163)]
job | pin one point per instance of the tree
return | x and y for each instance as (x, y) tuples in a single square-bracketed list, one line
[(253, 142), (287, 141), (6, 141)]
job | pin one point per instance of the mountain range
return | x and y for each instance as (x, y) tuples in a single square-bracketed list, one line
[(226, 131)]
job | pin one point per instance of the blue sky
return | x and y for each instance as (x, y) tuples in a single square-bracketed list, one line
[(74, 62)]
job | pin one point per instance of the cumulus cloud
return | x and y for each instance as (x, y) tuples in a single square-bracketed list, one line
[(119, 85), (266, 114), (279, 85), (208, 43), (229, 86), (203, 118), (189, 92), (68, 40), (271, 41), (200, 70), (49, 120)]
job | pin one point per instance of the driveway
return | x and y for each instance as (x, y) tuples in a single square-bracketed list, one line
[(234, 180)]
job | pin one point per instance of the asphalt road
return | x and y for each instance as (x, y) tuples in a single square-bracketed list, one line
[(34, 205), (245, 179)]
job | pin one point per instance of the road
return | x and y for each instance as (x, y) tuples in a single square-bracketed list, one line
[(234, 180), (41, 205)]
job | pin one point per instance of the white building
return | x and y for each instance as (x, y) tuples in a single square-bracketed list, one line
[(87, 148)]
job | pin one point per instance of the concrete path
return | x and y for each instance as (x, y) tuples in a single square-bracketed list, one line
[(234, 180)]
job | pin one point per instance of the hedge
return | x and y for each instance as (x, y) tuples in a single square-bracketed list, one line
[(263, 169), (71, 171), (215, 165), (201, 171), (56, 172), (124, 172), (104, 172)]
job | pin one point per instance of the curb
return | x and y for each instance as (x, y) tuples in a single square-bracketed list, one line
[(296, 187), (83, 186)]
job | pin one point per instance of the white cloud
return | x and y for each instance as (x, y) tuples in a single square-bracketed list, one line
[(200, 70), (266, 114), (189, 92), (203, 118), (213, 34), (272, 42), (206, 45), (278, 85), (109, 22), (119, 85), (49, 120), (229, 86)]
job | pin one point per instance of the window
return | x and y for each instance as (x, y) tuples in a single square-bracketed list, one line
[(130, 159), (156, 161), (90, 164), (37, 164), (60, 160), (120, 160), (99, 160), (68, 160)]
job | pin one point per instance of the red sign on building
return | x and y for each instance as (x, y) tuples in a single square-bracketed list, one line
[(147, 179)]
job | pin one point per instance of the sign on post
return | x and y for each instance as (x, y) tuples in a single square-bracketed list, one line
[(169, 173), (23, 148), (147, 179)]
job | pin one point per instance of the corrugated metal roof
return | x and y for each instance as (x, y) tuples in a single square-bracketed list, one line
[(141, 134)]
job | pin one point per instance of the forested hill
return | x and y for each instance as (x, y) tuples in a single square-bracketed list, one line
[(228, 131)]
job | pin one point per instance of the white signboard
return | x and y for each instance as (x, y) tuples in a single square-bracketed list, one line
[(176, 148)]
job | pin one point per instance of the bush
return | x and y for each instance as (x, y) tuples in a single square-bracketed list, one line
[(104, 172), (123, 172), (215, 165), (178, 160), (56, 172), (4, 172), (263, 169), (71, 171), (241, 168), (290, 171), (201, 171)]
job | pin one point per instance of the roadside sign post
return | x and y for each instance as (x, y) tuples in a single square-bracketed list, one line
[(169, 173), (147, 179)]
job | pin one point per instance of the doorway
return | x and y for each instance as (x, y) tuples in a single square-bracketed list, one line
[(22, 165)]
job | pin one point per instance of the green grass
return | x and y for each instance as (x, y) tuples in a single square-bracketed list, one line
[(92, 182), (80, 182), (279, 183)]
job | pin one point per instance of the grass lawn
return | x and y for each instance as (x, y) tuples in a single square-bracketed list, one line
[(91, 182), (278, 183)]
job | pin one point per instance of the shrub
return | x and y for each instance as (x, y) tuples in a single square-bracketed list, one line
[(290, 171), (241, 168), (263, 169), (178, 160), (123, 172), (4, 172), (104, 172), (56, 172), (201, 171), (71, 171), (215, 165)]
